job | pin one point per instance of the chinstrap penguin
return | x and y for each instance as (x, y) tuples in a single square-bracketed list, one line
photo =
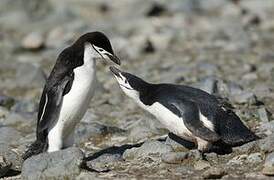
[(68, 91), (187, 112)]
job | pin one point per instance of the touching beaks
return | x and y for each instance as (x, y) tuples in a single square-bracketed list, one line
[(114, 58), (107, 55), (115, 71)]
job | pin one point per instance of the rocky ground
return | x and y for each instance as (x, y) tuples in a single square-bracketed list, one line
[(221, 46)]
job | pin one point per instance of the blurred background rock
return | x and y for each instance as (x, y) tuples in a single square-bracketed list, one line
[(224, 47)]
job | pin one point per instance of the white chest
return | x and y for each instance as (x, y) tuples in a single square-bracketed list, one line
[(172, 122), (76, 102)]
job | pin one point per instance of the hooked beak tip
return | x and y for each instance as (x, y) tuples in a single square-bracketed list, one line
[(115, 59)]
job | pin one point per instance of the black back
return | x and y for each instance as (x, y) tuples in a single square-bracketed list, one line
[(227, 124)]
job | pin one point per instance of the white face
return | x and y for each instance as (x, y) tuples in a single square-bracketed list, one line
[(126, 87), (102, 53)]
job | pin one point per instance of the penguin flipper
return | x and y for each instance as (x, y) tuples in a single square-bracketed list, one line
[(49, 107), (189, 112)]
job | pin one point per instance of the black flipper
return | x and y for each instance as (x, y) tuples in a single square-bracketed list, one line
[(49, 108), (190, 115), (232, 129)]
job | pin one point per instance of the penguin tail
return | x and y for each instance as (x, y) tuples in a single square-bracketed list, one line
[(35, 148), (233, 131)]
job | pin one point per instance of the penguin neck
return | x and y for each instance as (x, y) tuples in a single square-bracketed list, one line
[(146, 94)]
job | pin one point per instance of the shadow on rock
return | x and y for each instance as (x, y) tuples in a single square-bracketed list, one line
[(98, 162)]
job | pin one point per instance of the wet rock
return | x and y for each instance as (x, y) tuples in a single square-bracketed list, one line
[(269, 165), (63, 164), (174, 157), (33, 41), (147, 149), (267, 144), (214, 173), (4, 166), (264, 115)]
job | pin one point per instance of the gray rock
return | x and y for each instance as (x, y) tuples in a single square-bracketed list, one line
[(25, 106), (29, 75), (201, 164), (269, 165), (263, 114), (95, 129), (177, 143), (214, 173), (103, 162), (147, 149), (244, 97), (267, 128), (24, 122), (4, 166), (237, 160), (87, 176), (174, 157), (63, 164), (12, 156), (6, 101), (9, 135), (247, 148), (267, 144), (208, 84), (33, 41), (255, 158)]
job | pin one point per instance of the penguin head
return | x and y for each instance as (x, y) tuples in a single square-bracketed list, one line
[(132, 85), (98, 45)]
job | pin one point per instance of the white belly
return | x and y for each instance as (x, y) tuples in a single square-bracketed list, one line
[(172, 122), (76, 102)]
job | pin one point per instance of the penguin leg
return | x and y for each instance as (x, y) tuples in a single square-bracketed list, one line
[(69, 140), (55, 139), (203, 147)]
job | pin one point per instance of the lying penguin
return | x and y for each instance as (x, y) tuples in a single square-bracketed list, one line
[(187, 112), (68, 91)]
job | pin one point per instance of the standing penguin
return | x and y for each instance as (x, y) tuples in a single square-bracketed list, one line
[(187, 112), (68, 91)]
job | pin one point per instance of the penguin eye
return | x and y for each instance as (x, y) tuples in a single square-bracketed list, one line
[(126, 81), (101, 50)]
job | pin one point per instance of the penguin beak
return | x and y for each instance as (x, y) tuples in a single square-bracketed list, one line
[(116, 72), (114, 58)]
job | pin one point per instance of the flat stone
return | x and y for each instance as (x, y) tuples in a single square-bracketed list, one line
[(64, 164), (214, 173), (269, 165), (174, 157), (33, 41), (201, 164), (147, 149)]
